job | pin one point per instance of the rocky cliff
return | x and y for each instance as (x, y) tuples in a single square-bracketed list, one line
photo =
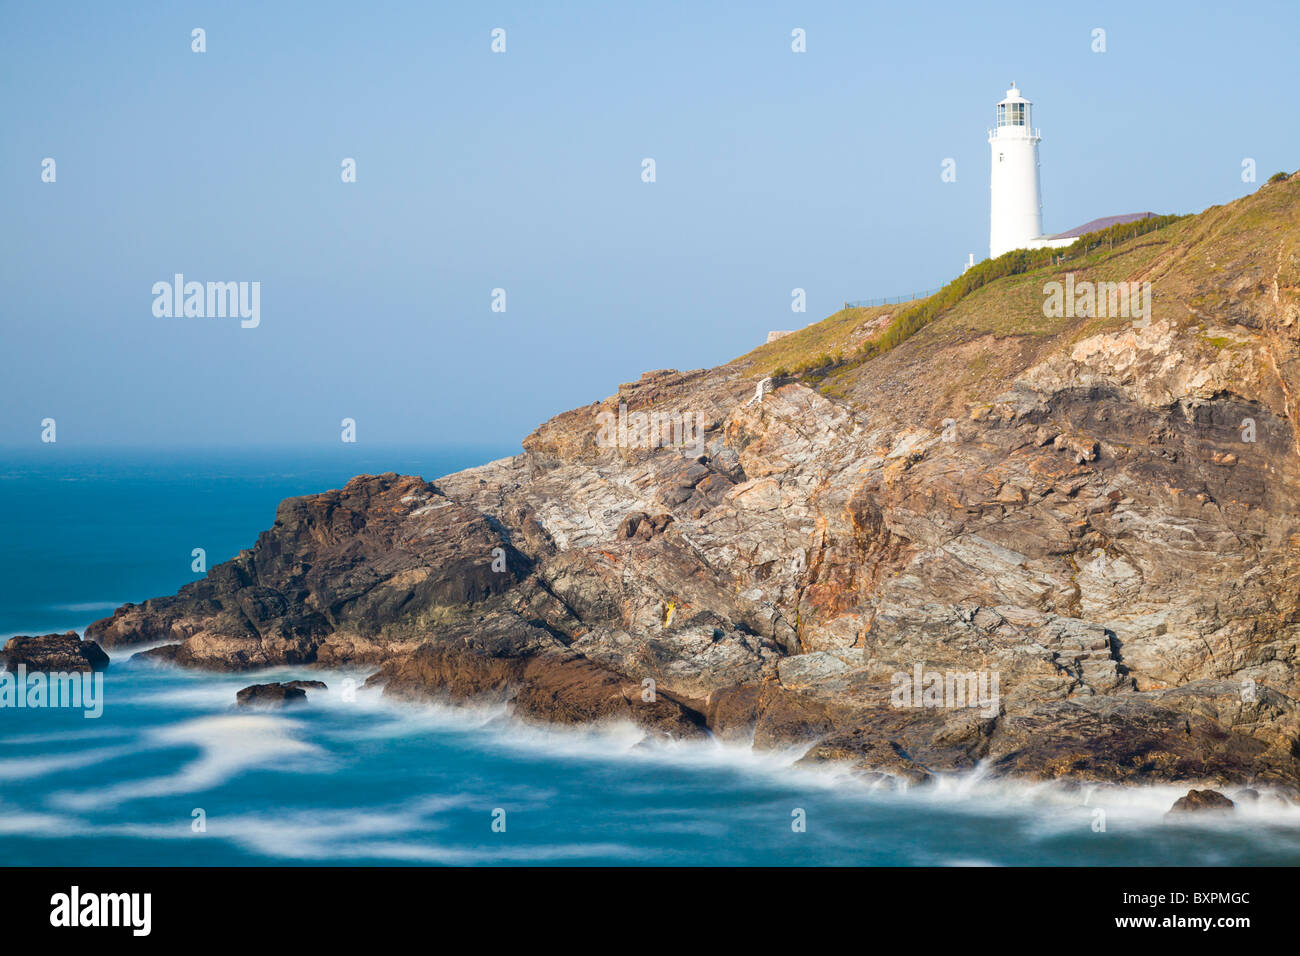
[(1087, 526)]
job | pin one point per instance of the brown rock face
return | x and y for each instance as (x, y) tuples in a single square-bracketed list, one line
[(1058, 548), (54, 653)]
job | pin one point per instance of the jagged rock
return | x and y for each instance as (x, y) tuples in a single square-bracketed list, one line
[(370, 560), (1111, 532), (54, 653), (643, 526)]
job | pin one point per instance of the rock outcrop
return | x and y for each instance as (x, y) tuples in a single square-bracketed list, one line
[(1060, 549), (54, 654)]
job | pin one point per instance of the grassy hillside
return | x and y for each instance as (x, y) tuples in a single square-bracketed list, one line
[(1195, 264)]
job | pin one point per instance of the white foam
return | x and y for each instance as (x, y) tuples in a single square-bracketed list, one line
[(27, 824), (1049, 805), (29, 768)]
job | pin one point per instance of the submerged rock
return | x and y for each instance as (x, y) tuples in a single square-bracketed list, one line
[(54, 653), (306, 685)]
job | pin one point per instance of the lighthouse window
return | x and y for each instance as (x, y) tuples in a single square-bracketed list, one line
[(1011, 114)]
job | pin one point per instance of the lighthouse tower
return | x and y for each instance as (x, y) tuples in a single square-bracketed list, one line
[(1017, 211)]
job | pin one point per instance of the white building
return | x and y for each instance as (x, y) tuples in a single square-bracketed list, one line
[(1016, 218)]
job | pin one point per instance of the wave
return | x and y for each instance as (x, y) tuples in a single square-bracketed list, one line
[(405, 833), (976, 791), (228, 745), (490, 728), (87, 606)]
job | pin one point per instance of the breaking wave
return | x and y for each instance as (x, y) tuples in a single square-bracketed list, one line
[(355, 777)]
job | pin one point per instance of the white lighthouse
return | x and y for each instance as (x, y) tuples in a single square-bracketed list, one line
[(1016, 219)]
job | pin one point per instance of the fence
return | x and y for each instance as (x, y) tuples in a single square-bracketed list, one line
[(890, 300)]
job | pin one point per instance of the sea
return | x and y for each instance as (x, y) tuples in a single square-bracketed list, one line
[(171, 774)]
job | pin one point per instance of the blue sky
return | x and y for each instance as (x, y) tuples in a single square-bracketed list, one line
[(522, 171)]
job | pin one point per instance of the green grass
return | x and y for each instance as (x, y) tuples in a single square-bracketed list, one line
[(914, 317), (822, 341), (1187, 259)]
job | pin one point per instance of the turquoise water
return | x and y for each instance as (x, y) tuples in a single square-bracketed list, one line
[(352, 778)]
